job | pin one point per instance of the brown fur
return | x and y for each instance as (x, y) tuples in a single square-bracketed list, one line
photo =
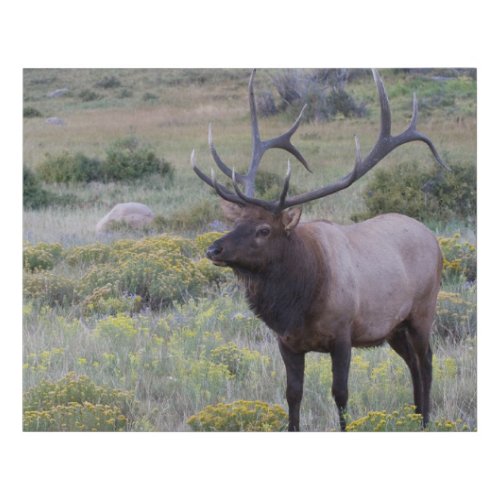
[(325, 287)]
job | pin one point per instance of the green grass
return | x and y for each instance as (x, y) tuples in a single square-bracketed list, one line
[(170, 359)]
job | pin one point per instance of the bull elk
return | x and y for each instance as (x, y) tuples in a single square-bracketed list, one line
[(325, 287)]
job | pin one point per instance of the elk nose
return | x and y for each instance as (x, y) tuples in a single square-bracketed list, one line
[(213, 251)]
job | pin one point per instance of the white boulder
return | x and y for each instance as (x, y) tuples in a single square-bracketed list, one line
[(135, 215)]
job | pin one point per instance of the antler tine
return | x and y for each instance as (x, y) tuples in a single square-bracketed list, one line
[(268, 205), (284, 141), (259, 147), (222, 166), (385, 110), (286, 185), (384, 145), (212, 182), (413, 129)]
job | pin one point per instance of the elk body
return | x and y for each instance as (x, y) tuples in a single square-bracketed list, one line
[(325, 287)]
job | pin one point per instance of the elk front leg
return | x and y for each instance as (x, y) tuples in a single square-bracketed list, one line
[(341, 360), (294, 364)]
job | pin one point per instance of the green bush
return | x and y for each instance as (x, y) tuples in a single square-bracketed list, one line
[(237, 360), (49, 289), (149, 97), (31, 112), (128, 160), (87, 95), (34, 195), (75, 403), (322, 90), (195, 216), (109, 82), (123, 276), (250, 416), (104, 301), (456, 192), (156, 269), (405, 420), (42, 256), (459, 258), (69, 168), (424, 195), (269, 185), (95, 253)]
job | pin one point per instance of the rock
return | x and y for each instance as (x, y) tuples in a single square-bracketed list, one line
[(135, 215), (54, 120), (58, 92)]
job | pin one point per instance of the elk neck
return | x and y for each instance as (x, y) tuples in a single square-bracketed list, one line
[(283, 293)]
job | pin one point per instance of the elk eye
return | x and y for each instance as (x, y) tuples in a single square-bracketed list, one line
[(263, 231)]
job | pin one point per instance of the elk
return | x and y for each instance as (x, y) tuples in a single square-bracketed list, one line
[(326, 287)]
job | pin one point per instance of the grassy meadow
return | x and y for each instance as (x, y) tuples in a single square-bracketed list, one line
[(136, 330)]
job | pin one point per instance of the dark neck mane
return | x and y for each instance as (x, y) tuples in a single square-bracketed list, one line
[(282, 295)]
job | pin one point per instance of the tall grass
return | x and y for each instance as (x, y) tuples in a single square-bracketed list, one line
[(166, 358), (168, 361)]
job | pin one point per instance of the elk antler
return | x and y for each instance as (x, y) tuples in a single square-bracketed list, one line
[(384, 145), (259, 147)]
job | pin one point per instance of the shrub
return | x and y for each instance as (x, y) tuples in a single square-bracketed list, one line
[(124, 93), (49, 289), (322, 91), (69, 168), (116, 328), (405, 420), (156, 269), (424, 195), (455, 190), (31, 112), (75, 403), (96, 253), (149, 97), (103, 301), (254, 416), (34, 195), (158, 281), (459, 258), (87, 95), (42, 256), (124, 276), (237, 360), (127, 160), (269, 185), (109, 82), (195, 216)]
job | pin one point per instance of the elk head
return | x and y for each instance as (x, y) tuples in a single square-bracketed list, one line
[(258, 240), (262, 227)]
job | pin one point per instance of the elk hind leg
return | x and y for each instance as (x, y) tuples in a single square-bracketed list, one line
[(419, 335), (341, 359), (400, 342)]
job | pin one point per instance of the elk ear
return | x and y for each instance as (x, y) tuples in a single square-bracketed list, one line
[(290, 218), (231, 211)]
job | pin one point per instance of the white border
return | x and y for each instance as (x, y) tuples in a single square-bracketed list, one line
[(251, 34)]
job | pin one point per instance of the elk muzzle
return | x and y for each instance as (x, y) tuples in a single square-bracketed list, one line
[(214, 252)]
